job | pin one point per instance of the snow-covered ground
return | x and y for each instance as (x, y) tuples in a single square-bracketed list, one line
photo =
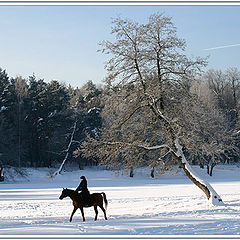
[(166, 205)]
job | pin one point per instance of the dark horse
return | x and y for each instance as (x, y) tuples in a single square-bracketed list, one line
[(96, 200)]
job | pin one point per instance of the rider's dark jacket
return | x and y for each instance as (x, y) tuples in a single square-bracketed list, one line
[(83, 186), (84, 190)]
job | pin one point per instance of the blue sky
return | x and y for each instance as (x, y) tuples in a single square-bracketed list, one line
[(61, 42)]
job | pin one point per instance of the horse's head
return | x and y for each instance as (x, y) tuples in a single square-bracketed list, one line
[(64, 193)]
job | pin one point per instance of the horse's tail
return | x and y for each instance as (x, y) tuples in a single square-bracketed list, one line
[(105, 200)]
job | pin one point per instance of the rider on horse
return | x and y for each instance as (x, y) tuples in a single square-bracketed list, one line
[(84, 190)]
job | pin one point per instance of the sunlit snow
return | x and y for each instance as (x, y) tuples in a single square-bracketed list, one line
[(166, 205)]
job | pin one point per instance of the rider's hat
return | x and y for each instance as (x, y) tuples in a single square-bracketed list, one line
[(82, 177)]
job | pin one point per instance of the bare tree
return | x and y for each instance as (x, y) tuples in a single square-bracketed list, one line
[(150, 77), (215, 139), (233, 78), (226, 90)]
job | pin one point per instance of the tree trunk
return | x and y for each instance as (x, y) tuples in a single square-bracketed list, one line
[(131, 174), (1, 175), (67, 151), (152, 172), (211, 169), (208, 168), (19, 133), (193, 179), (201, 164), (203, 185)]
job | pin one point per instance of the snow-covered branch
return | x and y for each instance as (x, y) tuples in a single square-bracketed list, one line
[(75, 141), (157, 147)]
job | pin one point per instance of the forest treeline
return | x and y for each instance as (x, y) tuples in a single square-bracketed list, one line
[(37, 119)]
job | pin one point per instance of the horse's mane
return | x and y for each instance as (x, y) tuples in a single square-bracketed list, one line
[(71, 191)]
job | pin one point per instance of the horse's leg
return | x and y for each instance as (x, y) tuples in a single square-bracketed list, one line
[(96, 211), (81, 208), (104, 211), (74, 210)]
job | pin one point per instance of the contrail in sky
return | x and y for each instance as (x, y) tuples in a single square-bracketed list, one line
[(227, 46)]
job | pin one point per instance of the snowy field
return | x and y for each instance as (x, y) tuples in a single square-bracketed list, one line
[(167, 205)]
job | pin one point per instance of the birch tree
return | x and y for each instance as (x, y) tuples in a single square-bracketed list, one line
[(150, 77), (59, 170)]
